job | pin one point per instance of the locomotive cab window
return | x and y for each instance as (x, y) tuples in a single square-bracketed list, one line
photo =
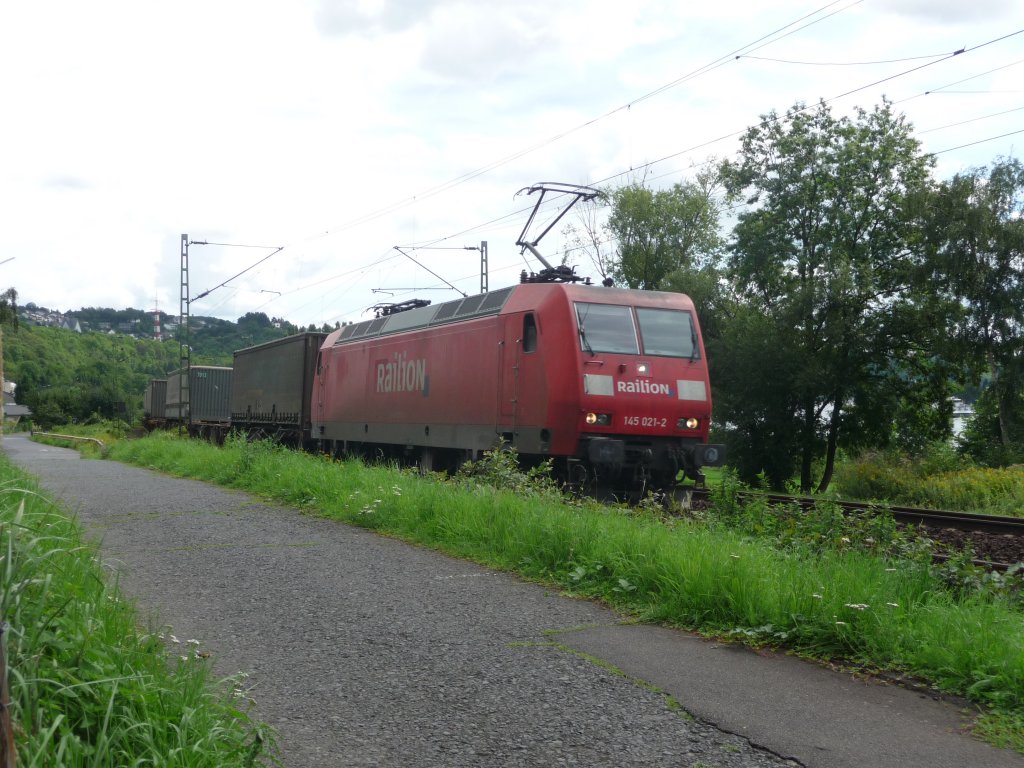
[(529, 333), (668, 332), (606, 328)]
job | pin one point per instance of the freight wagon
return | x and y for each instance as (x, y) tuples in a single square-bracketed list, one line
[(272, 386)]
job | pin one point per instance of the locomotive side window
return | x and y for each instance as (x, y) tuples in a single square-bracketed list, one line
[(606, 328), (668, 332), (529, 333)]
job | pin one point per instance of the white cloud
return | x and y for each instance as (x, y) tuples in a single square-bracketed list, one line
[(956, 12)]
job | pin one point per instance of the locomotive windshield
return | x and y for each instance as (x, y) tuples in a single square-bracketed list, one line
[(611, 328), (606, 328), (668, 332)]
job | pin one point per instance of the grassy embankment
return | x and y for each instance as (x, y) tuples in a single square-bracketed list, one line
[(817, 594), (941, 481), (88, 688)]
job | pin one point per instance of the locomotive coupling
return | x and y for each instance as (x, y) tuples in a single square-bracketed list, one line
[(601, 450), (708, 455)]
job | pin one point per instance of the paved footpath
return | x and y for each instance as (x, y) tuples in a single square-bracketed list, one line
[(365, 651)]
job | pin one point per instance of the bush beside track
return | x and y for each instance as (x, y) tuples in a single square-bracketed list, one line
[(87, 687), (871, 610), (939, 480)]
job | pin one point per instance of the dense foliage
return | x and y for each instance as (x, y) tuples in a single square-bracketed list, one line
[(64, 376)]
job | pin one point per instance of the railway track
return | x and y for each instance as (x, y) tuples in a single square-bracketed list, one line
[(998, 541)]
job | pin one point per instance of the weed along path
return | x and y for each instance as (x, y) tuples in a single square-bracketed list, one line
[(365, 651)]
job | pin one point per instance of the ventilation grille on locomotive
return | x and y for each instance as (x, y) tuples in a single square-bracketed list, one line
[(480, 305)]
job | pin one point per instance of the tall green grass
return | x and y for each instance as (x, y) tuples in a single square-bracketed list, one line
[(88, 688), (887, 477), (830, 603)]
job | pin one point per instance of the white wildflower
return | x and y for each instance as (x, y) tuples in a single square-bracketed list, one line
[(840, 623), (858, 606), (816, 596), (192, 642), (174, 639), (893, 605)]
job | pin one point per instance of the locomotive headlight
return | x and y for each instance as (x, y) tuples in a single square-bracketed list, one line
[(643, 369), (600, 419), (690, 423)]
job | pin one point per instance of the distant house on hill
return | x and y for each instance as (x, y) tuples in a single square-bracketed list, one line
[(71, 324)]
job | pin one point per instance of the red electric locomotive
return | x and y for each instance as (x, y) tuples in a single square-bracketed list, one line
[(611, 383)]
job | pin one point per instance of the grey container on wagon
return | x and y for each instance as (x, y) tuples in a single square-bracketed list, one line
[(154, 400), (209, 396), (272, 388)]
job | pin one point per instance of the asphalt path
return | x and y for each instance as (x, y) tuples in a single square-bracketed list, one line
[(365, 651)]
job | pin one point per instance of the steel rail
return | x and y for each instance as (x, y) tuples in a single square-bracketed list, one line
[(964, 521)]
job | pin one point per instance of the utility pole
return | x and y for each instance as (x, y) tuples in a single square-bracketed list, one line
[(184, 350), (483, 266)]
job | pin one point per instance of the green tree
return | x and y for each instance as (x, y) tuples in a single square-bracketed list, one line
[(975, 239), (981, 439), (658, 232), (825, 257)]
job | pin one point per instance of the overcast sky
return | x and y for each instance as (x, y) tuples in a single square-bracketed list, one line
[(340, 129)]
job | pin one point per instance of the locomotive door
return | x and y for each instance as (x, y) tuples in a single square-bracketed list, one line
[(508, 373), (318, 392)]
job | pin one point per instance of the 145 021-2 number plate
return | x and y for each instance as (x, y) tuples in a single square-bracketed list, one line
[(645, 421)]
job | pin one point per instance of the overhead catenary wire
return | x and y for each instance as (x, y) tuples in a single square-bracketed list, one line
[(979, 141), (208, 291), (788, 115), (944, 57), (764, 40), (942, 88), (971, 120), (843, 63), (714, 64), (414, 261), (483, 169)]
